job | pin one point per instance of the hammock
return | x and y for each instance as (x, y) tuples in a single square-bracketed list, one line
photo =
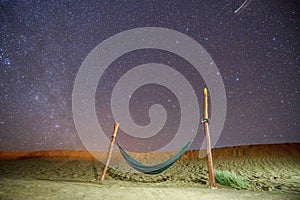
[(154, 169)]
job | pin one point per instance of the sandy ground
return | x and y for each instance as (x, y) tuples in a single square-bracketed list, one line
[(273, 172), (46, 189)]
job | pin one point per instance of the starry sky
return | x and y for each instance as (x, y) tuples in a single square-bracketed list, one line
[(43, 44)]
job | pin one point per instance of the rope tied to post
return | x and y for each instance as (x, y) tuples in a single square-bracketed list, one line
[(205, 120)]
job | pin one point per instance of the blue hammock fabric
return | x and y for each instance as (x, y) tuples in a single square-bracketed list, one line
[(154, 169)]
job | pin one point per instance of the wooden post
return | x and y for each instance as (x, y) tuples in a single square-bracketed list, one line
[(113, 138), (212, 183)]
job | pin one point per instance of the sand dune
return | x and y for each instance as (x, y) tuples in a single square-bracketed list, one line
[(273, 172), (253, 151), (63, 154)]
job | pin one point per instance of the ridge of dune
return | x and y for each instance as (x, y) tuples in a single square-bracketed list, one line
[(71, 154), (265, 150)]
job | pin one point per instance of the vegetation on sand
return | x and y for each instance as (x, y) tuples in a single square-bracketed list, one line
[(231, 179)]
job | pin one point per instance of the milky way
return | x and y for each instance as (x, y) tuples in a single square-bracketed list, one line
[(43, 44)]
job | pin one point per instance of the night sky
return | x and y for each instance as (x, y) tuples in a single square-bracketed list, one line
[(44, 43)]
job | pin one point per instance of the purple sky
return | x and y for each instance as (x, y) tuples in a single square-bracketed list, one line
[(43, 44)]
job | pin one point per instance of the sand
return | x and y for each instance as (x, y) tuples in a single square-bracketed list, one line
[(273, 172)]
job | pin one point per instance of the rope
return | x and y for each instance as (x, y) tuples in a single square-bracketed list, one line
[(205, 120)]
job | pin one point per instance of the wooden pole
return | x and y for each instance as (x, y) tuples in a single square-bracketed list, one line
[(113, 138), (212, 183)]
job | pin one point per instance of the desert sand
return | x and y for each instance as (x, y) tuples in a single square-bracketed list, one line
[(273, 172)]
